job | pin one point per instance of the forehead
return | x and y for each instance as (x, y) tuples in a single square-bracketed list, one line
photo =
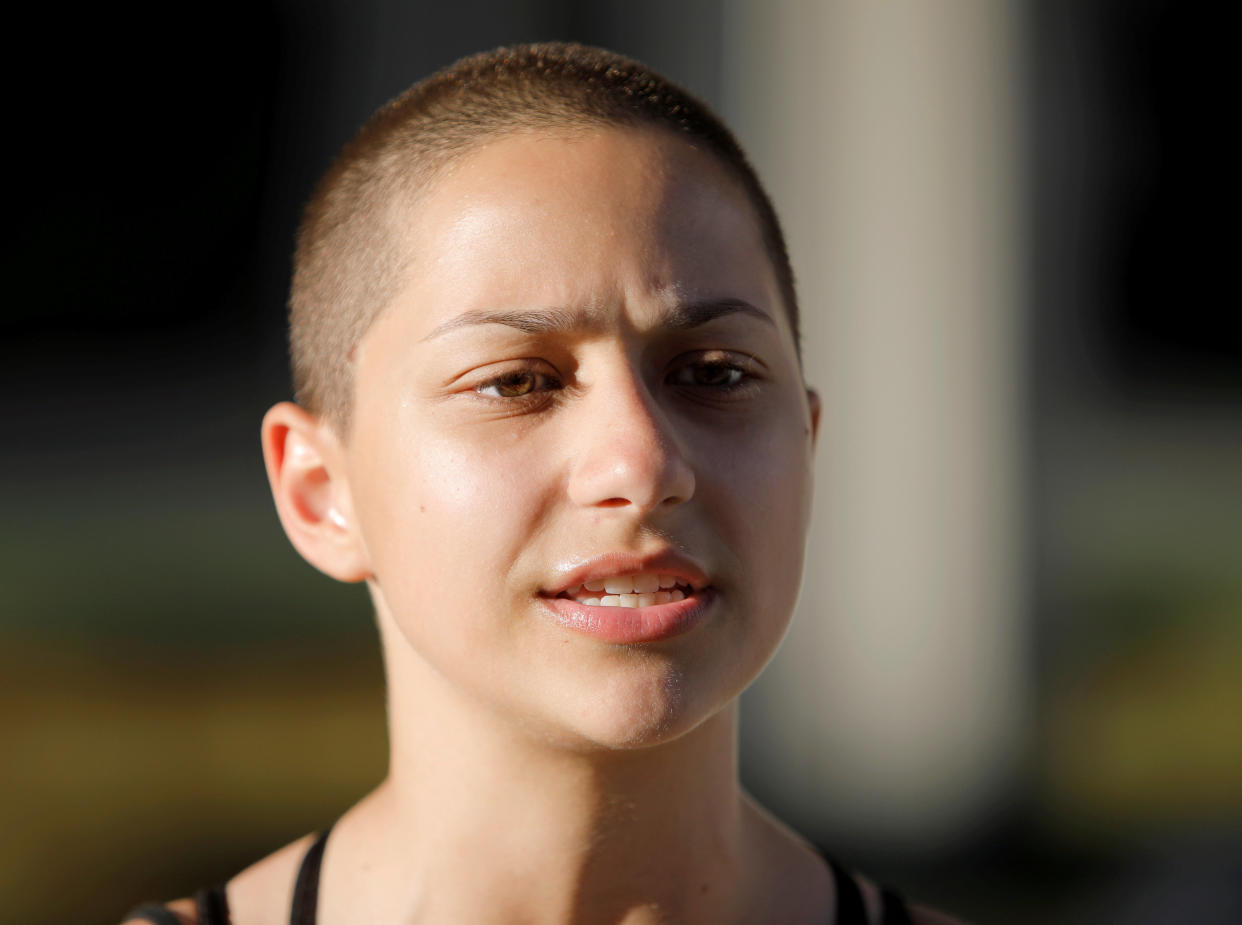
[(582, 217)]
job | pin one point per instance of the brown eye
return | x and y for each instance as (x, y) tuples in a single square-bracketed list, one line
[(516, 384), (712, 375), (718, 375)]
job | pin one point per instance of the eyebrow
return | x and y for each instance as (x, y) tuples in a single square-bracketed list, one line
[(681, 317)]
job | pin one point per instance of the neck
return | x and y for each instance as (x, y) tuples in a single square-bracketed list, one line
[(482, 820)]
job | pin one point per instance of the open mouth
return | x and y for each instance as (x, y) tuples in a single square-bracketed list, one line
[(644, 590), (635, 607)]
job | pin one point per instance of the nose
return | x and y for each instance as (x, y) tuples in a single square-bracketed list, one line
[(629, 453)]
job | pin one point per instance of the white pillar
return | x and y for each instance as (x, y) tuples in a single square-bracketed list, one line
[(887, 133)]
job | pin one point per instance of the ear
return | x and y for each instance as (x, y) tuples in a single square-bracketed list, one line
[(305, 467), (814, 404)]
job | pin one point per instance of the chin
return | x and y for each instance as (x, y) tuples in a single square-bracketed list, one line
[(631, 713)]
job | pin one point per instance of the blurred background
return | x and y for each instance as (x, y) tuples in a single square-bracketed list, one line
[(1015, 680)]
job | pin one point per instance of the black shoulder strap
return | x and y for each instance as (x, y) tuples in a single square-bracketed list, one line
[(850, 909), (211, 906), (306, 887)]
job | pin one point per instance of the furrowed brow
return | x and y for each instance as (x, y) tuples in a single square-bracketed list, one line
[(681, 317), (692, 314), (542, 321)]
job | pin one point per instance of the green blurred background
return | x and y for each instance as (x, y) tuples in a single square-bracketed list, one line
[(180, 694)]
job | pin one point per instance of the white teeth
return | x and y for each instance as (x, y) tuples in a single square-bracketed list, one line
[(633, 584), (634, 600), (644, 584), (644, 590)]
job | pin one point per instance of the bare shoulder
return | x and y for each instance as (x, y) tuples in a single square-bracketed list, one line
[(259, 895), (805, 882)]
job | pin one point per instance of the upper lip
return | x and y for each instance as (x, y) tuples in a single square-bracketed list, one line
[(609, 565)]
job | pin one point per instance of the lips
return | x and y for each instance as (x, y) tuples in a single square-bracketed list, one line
[(619, 567), (624, 599)]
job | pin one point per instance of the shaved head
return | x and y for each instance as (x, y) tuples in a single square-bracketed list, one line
[(352, 247)]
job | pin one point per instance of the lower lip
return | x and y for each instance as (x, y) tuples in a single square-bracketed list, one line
[(630, 625)]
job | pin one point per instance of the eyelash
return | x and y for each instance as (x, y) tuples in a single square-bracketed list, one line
[(540, 382), (740, 379)]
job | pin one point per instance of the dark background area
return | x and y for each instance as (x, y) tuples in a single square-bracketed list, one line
[(1134, 195), (179, 693)]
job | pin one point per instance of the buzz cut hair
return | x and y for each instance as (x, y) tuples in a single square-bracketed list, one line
[(351, 251)]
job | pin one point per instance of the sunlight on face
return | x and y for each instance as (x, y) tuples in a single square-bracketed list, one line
[(589, 379)]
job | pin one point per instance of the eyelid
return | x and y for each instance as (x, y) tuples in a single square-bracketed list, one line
[(684, 369), (722, 356), (548, 380), (465, 367), (492, 369), (540, 385)]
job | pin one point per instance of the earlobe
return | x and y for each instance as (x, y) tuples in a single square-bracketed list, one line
[(305, 469), (814, 404)]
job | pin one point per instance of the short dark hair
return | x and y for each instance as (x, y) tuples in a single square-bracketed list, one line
[(348, 261)]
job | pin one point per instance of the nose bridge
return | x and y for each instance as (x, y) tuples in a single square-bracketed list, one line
[(630, 454)]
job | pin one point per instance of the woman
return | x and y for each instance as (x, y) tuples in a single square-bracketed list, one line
[(551, 411)]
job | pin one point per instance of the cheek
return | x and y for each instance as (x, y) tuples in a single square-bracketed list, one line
[(763, 488), (444, 503)]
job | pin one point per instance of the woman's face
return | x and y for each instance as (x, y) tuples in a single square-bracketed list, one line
[(588, 378)]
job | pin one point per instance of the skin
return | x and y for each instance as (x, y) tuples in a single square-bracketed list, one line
[(533, 399)]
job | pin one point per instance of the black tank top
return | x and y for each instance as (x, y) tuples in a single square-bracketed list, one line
[(213, 906)]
